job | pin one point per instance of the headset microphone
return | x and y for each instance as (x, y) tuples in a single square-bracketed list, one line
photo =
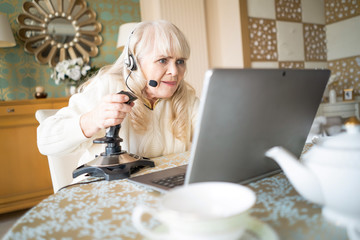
[(153, 83), (130, 63)]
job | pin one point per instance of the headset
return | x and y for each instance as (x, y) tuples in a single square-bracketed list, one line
[(130, 62), (129, 58)]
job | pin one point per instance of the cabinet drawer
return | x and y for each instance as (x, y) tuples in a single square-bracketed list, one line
[(16, 110), (59, 105)]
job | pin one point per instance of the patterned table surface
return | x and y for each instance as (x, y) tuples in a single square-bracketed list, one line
[(102, 210)]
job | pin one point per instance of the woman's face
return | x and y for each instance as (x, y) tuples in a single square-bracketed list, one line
[(167, 71)]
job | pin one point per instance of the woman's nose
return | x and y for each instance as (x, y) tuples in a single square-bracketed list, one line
[(173, 69)]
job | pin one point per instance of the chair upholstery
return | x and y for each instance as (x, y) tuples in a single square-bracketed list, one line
[(61, 168)]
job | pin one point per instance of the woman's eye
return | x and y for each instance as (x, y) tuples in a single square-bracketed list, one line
[(163, 60), (180, 61)]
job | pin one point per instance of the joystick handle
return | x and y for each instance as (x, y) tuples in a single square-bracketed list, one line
[(131, 96), (112, 138), (114, 130)]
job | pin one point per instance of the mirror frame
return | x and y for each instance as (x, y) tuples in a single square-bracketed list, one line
[(46, 49)]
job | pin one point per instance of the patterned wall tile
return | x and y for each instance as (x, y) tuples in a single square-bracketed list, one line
[(290, 40), (267, 9), (288, 10), (343, 38), (316, 65), (348, 71), (305, 39), (314, 42), (273, 64), (313, 11), (263, 43), (289, 64), (338, 10)]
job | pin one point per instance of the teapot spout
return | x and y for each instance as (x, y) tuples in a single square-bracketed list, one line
[(302, 178)]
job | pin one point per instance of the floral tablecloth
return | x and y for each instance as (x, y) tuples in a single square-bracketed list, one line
[(102, 210)]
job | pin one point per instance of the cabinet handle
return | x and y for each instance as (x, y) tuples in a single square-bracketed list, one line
[(10, 110)]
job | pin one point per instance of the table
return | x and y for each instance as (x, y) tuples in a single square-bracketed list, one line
[(102, 210)]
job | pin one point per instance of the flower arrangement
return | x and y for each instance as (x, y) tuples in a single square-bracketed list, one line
[(73, 71)]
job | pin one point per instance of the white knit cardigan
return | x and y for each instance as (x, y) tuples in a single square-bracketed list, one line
[(61, 134)]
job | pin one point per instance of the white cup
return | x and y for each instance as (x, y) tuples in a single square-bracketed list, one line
[(209, 210)]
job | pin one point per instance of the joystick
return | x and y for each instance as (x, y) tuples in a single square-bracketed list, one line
[(114, 163)]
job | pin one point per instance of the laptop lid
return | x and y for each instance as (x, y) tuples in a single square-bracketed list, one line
[(245, 112)]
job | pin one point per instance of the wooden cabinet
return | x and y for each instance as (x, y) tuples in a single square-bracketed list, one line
[(24, 173)]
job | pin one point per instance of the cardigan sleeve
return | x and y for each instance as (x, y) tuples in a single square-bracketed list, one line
[(61, 133)]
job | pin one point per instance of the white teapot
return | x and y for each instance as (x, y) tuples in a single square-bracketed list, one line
[(329, 174)]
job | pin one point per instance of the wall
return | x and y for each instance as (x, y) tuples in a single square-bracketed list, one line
[(275, 34), (224, 33), (287, 34), (315, 34), (343, 43), (20, 73), (307, 34)]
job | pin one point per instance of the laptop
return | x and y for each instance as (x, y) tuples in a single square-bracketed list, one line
[(242, 114)]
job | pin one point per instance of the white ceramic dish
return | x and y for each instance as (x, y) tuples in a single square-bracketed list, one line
[(259, 231)]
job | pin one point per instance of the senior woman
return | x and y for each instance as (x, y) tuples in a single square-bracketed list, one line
[(160, 122)]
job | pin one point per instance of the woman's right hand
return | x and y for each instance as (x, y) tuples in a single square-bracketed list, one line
[(111, 111)]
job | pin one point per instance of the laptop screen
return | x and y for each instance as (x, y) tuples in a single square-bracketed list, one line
[(245, 112), (242, 114)]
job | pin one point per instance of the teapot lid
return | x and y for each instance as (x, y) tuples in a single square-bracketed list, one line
[(347, 140)]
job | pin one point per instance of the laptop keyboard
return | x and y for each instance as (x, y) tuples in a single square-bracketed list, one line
[(172, 181)]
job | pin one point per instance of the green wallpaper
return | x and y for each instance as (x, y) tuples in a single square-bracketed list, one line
[(19, 71)]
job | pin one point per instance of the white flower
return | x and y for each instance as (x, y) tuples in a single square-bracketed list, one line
[(61, 67), (85, 69), (70, 70), (74, 73), (72, 62), (61, 75), (79, 61)]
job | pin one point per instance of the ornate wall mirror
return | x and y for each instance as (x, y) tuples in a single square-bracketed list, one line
[(56, 30)]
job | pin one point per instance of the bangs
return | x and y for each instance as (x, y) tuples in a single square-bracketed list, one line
[(169, 44), (167, 41)]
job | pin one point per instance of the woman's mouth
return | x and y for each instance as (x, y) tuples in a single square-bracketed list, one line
[(169, 83)]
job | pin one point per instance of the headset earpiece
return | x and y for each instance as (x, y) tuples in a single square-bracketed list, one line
[(129, 58), (130, 63)]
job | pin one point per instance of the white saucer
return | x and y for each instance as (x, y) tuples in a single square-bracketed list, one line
[(259, 231)]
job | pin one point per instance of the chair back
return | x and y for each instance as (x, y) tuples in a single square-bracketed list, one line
[(61, 168)]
